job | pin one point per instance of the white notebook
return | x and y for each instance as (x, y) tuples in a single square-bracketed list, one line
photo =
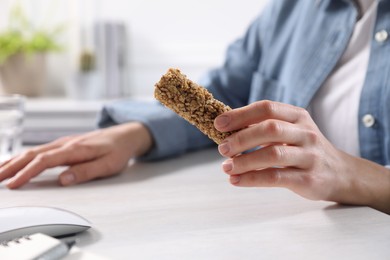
[(33, 246)]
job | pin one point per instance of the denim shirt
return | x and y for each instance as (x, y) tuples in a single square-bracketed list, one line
[(285, 55)]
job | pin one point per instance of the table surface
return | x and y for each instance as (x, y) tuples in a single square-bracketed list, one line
[(184, 208)]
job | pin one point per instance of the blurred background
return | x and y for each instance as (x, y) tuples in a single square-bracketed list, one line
[(81, 53)]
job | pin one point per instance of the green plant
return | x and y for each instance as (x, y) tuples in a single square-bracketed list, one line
[(22, 37)]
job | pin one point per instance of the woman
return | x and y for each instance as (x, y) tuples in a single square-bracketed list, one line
[(308, 84)]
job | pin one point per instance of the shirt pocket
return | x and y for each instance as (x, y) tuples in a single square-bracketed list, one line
[(263, 87)]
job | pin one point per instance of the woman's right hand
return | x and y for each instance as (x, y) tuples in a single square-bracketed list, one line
[(93, 155)]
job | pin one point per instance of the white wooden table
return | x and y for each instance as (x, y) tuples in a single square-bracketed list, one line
[(185, 209)]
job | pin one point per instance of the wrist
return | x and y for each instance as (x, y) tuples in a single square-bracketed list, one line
[(367, 184), (141, 137), (143, 141), (135, 137)]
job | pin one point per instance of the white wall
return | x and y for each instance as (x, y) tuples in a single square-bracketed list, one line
[(191, 35)]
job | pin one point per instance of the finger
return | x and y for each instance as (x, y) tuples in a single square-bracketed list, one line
[(84, 172), (12, 166), (267, 132), (267, 157), (5, 162), (256, 112), (67, 155), (270, 177), (296, 180)]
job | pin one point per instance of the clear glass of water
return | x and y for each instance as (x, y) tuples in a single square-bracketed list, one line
[(11, 125)]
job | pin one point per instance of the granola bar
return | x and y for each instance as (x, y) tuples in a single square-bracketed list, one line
[(192, 102)]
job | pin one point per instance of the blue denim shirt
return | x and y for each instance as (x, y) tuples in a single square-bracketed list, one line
[(285, 55)]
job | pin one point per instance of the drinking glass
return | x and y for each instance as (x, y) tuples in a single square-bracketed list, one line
[(11, 125)]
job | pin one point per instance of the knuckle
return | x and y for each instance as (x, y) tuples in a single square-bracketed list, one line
[(75, 144), (309, 180), (312, 157), (267, 107), (303, 114), (312, 137), (28, 154), (273, 127), (42, 158), (80, 146), (277, 153)]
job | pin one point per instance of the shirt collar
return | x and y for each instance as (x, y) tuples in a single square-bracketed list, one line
[(355, 3)]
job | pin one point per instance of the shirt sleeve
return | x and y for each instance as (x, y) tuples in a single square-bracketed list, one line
[(172, 135), (230, 84)]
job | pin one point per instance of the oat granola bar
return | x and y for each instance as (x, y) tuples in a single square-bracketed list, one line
[(192, 102)]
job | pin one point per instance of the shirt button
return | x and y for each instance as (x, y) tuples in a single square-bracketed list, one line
[(368, 120), (381, 36)]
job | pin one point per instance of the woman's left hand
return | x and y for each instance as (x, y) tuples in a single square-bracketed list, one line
[(294, 154)]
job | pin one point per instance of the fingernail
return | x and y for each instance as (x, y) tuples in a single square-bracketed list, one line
[(227, 165), (234, 179), (9, 182), (224, 148), (67, 178), (222, 121)]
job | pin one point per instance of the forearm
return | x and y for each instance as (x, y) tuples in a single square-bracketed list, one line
[(367, 183), (171, 134)]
